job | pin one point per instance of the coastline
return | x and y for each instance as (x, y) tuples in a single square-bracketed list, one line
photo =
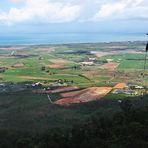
[(71, 43), (68, 38)]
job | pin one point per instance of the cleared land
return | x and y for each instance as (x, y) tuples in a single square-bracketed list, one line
[(56, 66), (60, 65), (110, 65), (59, 61), (120, 86), (86, 95), (25, 107)]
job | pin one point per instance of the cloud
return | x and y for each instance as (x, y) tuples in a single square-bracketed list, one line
[(15, 1), (123, 9), (59, 11), (42, 11)]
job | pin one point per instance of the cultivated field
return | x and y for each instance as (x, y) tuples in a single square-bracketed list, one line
[(74, 65), (48, 86), (86, 95)]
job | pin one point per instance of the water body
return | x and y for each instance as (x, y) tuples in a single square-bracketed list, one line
[(64, 38)]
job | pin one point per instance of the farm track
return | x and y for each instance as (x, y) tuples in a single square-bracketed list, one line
[(34, 78)]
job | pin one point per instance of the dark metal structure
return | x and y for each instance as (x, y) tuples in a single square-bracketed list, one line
[(146, 51), (144, 74)]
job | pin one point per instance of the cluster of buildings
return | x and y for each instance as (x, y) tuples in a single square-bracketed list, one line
[(127, 92), (10, 87), (129, 89), (89, 62)]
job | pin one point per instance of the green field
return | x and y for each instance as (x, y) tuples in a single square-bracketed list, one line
[(30, 118), (26, 110), (38, 57)]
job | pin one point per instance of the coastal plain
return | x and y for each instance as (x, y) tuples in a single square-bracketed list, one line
[(66, 83)]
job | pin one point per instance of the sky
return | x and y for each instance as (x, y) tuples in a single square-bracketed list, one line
[(73, 16)]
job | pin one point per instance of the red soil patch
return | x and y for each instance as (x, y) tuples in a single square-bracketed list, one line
[(120, 86), (86, 95), (72, 94), (110, 65), (67, 101)]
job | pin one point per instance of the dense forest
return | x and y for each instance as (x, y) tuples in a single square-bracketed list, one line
[(125, 129)]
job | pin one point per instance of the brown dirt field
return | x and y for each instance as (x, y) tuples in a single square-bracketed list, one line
[(59, 61), (34, 78), (110, 65), (73, 94), (63, 89), (66, 101), (116, 52), (86, 95), (55, 66), (120, 86), (101, 54), (18, 65)]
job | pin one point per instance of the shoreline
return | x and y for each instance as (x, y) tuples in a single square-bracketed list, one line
[(70, 43)]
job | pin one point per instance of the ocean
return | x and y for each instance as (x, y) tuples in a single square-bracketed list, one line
[(65, 38)]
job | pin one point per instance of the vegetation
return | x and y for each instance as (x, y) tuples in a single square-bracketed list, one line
[(28, 119), (35, 61), (125, 128)]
